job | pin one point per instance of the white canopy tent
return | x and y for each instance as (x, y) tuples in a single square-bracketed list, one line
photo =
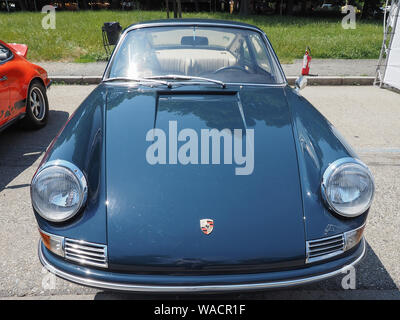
[(388, 70)]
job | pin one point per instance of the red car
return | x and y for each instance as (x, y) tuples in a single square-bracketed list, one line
[(23, 88)]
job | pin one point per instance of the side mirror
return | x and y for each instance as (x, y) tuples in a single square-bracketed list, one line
[(300, 83)]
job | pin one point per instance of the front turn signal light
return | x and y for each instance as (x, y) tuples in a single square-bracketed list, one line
[(53, 243), (353, 237)]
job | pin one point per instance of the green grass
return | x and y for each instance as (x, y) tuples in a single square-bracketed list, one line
[(77, 36)]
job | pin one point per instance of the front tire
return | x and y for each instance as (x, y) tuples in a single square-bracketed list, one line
[(37, 106)]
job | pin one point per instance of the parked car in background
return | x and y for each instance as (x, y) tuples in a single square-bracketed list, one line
[(328, 8), (263, 7), (99, 5), (195, 167), (129, 5), (22, 88), (7, 6)]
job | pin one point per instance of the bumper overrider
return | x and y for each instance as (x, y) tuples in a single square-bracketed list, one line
[(104, 279)]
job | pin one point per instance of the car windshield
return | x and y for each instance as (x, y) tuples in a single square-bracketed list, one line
[(200, 53)]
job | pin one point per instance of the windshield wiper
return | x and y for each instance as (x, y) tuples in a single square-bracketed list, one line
[(166, 83), (181, 77)]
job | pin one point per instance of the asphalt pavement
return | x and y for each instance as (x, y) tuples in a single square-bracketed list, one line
[(368, 117)]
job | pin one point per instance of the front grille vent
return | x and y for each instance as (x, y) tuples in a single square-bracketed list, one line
[(324, 248), (86, 253)]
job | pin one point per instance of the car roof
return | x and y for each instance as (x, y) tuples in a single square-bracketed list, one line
[(166, 22)]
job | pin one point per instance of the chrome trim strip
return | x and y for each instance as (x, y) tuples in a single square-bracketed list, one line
[(85, 243), (322, 243), (324, 256), (75, 247), (81, 252), (338, 246), (86, 253), (327, 238), (191, 289), (190, 23), (315, 248), (87, 261)]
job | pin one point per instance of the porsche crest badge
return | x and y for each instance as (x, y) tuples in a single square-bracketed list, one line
[(207, 225)]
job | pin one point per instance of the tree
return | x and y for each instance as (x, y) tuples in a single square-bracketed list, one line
[(115, 4), (177, 8), (244, 7), (22, 4), (83, 4), (370, 7), (167, 7), (289, 6)]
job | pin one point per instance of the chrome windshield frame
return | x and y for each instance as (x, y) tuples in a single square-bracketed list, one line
[(181, 23)]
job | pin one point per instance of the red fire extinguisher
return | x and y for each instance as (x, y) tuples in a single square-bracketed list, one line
[(305, 71)]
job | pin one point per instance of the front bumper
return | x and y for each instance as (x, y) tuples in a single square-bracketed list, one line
[(193, 284)]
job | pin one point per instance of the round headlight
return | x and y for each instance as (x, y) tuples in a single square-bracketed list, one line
[(348, 187), (58, 191)]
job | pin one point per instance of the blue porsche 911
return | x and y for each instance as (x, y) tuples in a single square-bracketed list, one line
[(195, 167)]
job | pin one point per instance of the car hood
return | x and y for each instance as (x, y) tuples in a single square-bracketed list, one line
[(154, 209)]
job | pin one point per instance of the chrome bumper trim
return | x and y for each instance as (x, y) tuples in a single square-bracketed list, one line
[(192, 289)]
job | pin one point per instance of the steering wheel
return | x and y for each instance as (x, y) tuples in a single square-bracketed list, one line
[(231, 68)]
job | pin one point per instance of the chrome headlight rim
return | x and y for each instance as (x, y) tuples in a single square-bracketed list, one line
[(328, 173), (79, 176)]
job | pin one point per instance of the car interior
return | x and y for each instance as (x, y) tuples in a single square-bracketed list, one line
[(159, 53), (4, 53)]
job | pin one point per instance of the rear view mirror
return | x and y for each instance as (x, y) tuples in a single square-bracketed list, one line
[(301, 83), (194, 41), (111, 33)]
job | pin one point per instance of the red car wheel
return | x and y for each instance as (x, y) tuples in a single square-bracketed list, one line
[(37, 106)]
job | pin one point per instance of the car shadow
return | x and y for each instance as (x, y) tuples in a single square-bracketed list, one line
[(20, 148), (372, 282)]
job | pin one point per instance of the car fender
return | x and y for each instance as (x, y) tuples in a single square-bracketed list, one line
[(81, 142), (318, 144), (24, 72)]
